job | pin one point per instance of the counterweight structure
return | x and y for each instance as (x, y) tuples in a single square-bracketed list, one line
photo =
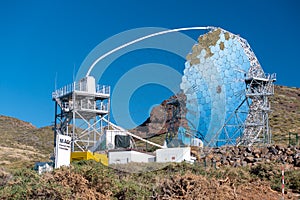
[(82, 112)]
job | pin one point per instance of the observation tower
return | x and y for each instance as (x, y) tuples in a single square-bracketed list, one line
[(82, 112)]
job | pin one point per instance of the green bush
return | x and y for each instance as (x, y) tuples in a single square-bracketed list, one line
[(292, 180), (271, 172), (90, 177)]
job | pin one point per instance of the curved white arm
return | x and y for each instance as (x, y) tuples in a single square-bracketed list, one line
[(143, 38)]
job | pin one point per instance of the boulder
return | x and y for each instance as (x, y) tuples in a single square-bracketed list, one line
[(236, 164), (264, 151), (249, 150), (289, 152), (257, 159), (273, 150), (249, 159), (297, 163), (256, 155), (256, 151), (244, 163)]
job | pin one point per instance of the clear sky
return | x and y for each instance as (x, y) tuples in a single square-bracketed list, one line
[(39, 39)]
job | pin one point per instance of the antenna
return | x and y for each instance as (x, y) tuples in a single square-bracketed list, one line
[(74, 67), (55, 81)]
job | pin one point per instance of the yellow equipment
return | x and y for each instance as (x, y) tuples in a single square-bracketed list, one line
[(87, 155)]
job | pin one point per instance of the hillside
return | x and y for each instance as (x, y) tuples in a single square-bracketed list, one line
[(285, 117), (22, 144)]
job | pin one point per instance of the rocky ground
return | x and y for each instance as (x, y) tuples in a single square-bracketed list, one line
[(251, 156)]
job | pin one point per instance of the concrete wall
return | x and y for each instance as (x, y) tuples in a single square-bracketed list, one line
[(173, 154), (122, 157)]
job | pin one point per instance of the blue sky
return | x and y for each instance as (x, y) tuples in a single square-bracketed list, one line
[(39, 39)]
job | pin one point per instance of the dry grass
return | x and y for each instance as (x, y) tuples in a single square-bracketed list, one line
[(91, 180), (285, 117), (22, 144)]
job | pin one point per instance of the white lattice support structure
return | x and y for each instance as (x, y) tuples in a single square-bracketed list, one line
[(257, 129), (82, 112), (259, 86)]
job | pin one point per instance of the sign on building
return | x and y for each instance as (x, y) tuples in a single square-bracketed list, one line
[(62, 150)]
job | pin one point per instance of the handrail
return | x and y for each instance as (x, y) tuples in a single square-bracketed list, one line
[(100, 89), (267, 77)]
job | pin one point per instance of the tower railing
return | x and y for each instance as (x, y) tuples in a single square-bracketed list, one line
[(100, 89)]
